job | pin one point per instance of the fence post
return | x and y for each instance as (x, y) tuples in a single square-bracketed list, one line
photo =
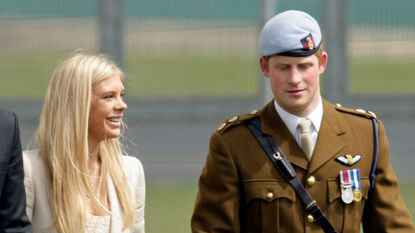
[(268, 10), (334, 26), (111, 29)]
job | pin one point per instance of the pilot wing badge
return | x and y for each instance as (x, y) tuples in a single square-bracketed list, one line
[(349, 159)]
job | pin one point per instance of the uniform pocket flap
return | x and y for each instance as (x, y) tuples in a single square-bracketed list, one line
[(268, 190), (335, 192)]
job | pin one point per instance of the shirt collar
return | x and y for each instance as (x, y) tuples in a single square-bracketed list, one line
[(291, 120)]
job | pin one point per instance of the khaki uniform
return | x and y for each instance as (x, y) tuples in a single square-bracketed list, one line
[(241, 191)]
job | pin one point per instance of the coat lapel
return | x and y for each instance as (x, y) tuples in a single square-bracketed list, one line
[(116, 218), (272, 124), (329, 142)]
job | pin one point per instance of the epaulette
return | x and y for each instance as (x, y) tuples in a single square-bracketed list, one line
[(236, 120), (358, 111)]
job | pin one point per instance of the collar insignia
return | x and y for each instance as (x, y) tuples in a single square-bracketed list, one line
[(349, 159)]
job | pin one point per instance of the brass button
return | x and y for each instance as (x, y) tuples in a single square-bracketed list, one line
[(270, 196), (311, 180), (310, 218), (232, 119)]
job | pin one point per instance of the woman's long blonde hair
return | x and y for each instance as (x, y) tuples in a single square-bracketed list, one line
[(62, 137)]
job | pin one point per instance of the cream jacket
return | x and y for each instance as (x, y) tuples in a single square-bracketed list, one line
[(39, 209)]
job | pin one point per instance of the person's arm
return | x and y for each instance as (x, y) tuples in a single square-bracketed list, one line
[(13, 200), (385, 210), (218, 200)]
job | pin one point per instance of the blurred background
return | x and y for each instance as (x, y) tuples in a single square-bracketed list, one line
[(191, 64)]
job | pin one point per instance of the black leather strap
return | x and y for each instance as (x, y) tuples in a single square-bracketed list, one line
[(372, 175), (280, 162)]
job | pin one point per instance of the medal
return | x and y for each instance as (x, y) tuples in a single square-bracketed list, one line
[(350, 186), (357, 193), (347, 194), (346, 187)]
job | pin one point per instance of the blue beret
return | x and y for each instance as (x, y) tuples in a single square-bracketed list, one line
[(290, 33)]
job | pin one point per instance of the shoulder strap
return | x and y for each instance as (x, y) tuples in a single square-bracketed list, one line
[(280, 162), (372, 175)]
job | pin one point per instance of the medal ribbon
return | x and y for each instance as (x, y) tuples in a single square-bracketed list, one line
[(345, 177), (355, 178)]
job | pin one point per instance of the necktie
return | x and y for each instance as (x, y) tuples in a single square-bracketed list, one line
[(305, 133)]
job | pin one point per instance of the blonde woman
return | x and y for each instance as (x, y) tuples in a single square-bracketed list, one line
[(78, 179)]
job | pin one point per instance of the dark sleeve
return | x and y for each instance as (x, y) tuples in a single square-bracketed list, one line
[(218, 199), (385, 210), (12, 193)]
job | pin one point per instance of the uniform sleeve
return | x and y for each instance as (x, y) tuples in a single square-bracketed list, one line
[(12, 198), (218, 199), (385, 210), (139, 195)]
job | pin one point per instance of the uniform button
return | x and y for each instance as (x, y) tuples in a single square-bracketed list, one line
[(310, 218), (311, 180), (269, 196)]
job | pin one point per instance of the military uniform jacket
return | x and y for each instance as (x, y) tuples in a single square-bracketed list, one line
[(241, 191)]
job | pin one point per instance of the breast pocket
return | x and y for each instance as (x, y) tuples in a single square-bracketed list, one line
[(267, 205), (346, 216)]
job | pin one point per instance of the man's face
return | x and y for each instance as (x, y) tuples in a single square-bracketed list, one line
[(295, 81)]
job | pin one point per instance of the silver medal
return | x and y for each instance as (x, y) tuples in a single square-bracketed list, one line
[(346, 186), (347, 193)]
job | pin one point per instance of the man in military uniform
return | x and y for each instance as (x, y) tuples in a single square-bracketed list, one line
[(241, 191)]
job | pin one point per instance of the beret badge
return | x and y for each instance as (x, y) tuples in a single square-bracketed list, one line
[(308, 42)]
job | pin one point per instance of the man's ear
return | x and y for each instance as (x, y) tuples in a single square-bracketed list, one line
[(323, 62), (263, 63)]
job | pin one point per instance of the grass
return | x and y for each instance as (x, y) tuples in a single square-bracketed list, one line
[(185, 75), (382, 76), (408, 193), (25, 75), (147, 76), (169, 207)]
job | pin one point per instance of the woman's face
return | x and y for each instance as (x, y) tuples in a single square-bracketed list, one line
[(107, 108)]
